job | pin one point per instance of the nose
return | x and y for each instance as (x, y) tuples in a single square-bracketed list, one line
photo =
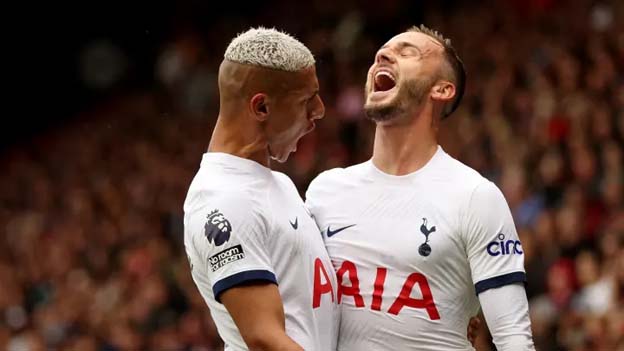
[(384, 55), (318, 111)]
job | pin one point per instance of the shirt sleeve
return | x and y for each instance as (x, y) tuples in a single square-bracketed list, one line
[(492, 246), (506, 311), (230, 238)]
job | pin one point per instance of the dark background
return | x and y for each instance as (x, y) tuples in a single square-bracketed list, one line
[(49, 40)]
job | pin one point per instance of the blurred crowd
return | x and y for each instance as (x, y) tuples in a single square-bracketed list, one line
[(91, 254)]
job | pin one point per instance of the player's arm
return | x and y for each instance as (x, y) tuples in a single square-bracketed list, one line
[(497, 264), (230, 237), (506, 311), (474, 330), (258, 312)]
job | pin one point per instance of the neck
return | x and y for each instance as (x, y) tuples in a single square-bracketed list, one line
[(403, 148), (230, 136)]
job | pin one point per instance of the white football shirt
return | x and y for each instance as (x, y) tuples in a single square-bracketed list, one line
[(412, 252), (244, 222)]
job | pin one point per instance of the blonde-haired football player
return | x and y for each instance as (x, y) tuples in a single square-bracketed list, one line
[(255, 253)]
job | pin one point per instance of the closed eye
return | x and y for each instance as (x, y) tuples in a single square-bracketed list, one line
[(409, 51)]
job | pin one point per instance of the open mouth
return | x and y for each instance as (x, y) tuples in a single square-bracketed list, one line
[(384, 81), (310, 128)]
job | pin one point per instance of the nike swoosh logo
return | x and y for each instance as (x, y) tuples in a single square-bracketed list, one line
[(296, 224), (331, 233)]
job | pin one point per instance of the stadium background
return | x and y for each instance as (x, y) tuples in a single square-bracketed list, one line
[(115, 105)]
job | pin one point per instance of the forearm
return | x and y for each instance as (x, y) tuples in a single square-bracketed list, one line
[(506, 311), (257, 310)]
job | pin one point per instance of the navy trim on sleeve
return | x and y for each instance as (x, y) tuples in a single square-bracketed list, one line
[(240, 278), (501, 280)]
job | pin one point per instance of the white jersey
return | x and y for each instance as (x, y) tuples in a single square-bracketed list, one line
[(244, 222), (412, 252)]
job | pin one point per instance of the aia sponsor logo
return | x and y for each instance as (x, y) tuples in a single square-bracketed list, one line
[(415, 292)]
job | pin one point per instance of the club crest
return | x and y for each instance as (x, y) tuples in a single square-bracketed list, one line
[(425, 248)]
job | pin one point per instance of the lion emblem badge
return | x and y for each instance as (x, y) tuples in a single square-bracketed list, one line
[(217, 229)]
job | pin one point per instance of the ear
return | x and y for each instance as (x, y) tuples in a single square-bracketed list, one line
[(259, 106), (443, 91)]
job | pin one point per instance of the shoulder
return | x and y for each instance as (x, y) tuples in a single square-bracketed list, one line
[(244, 197), (455, 170), (219, 185), (285, 181), (453, 182), (241, 205), (324, 179), (336, 178), (486, 195), (486, 212)]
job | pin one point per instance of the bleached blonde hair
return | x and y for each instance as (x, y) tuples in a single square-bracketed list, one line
[(269, 48)]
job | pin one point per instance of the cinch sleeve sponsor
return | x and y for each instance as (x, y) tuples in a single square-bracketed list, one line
[(494, 251)]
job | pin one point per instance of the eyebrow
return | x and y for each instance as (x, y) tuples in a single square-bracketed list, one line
[(403, 44)]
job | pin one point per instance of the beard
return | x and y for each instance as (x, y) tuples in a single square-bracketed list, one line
[(411, 92)]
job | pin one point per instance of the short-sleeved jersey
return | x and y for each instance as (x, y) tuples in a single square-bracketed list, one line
[(412, 252), (244, 222)]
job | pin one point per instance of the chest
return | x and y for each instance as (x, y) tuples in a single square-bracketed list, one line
[(409, 229), (293, 231)]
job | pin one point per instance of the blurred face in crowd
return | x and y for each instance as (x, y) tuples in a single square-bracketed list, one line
[(289, 113), (587, 268), (403, 76)]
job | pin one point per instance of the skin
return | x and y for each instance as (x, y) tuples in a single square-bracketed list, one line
[(263, 113), (258, 312), (407, 117)]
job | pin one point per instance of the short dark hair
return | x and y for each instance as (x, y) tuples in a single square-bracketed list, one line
[(457, 66)]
